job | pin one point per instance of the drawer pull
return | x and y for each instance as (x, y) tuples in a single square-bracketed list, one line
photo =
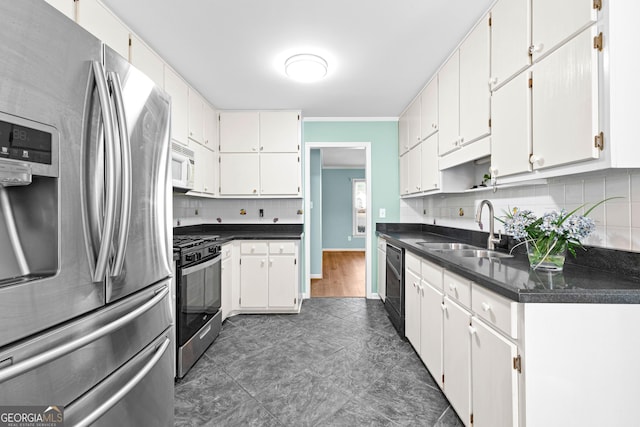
[(452, 287), (486, 306)]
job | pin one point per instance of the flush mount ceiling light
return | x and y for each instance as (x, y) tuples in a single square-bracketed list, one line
[(305, 67)]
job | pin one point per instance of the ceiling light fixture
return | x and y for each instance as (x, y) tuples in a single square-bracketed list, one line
[(305, 67)]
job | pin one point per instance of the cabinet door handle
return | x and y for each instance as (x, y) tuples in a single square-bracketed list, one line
[(536, 160), (493, 81), (443, 307), (486, 306), (534, 48), (472, 330), (452, 287)]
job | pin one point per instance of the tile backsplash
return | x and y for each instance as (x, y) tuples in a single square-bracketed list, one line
[(617, 221), (189, 210)]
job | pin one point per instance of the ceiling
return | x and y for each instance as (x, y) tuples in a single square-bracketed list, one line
[(380, 52), (343, 158)]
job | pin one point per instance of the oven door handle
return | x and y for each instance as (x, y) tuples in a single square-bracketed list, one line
[(201, 266)]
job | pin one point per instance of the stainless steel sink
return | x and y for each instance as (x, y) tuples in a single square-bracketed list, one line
[(446, 246), (479, 253)]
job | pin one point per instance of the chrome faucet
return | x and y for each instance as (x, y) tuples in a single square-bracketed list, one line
[(492, 240)]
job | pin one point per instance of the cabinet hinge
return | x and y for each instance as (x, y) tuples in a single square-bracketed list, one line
[(240, 301), (298, 117), (219, 161), (471, 418), (130, 44), (599, 141), (240, 261), (295, 261), (517, 364), (489, 21), (295, 301), (530, 82), (442, 378), (597, 4), (298, 189), (298, 159), (489, 123), (597, 42)]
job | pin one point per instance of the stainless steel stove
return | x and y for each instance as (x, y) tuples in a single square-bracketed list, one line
[(198, 297)]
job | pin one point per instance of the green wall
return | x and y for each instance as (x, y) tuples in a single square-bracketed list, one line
[(385, 186), (337, 213), (316, 213)]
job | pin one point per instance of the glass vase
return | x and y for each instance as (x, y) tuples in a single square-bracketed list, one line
[(546, 254)]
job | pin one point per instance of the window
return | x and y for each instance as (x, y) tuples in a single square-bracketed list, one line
[(359, 203)]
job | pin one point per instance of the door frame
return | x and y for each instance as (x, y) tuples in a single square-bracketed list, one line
[(307, 209)]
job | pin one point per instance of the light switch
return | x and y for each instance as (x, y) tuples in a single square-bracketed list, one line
[(382, 213)]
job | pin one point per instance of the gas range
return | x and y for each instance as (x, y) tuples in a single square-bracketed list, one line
[(194, 249)]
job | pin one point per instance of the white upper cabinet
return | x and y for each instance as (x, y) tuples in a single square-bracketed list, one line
[(430, 172), (404, 174), (100, 22), (146, 60), (239, 174), (429, 109), (511, 130), (210, 127), (239, 131), (413, 123), (449, 104), (206, 168), (68, 7), (179, 92), (279, 131), (403, 134), (510, 23), (565, 104), (196, 116), (280, 174), (415, 168), (554, 21), (474, 84)]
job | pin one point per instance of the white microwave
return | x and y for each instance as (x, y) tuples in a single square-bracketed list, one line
[(182, 167)]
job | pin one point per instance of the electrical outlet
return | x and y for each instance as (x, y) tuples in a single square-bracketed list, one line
[(349, 238), (197, 212), (382, 213)]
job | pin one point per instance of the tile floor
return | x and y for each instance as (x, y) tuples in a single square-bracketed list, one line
[(338, 363)]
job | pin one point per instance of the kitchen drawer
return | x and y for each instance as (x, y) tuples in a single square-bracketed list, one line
[(432, 274), (226, 250), (496, 310), (458, 288), (253, 247), (282, 247), (412, 262)]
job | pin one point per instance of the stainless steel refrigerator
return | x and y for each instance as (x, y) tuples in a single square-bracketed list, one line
[(85, 231)]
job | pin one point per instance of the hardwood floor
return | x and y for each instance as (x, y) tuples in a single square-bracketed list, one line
[(343, 275)]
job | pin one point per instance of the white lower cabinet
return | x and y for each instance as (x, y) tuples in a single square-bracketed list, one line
[(467, 337), (493, 378), (268, 276), (412, 308), (254, 281), (457, 358), (431, 330), (226, 267)]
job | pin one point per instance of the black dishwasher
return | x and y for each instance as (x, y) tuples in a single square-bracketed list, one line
[(394, 302)]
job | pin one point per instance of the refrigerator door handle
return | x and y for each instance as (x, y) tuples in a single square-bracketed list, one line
[(116, 397), (56, 352), (110, 178), (125, 208)]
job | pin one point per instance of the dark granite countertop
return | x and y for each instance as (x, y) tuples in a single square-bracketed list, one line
[(598, 275), (229, 232)]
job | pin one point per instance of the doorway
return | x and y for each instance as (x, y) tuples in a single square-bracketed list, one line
[(347, 262)]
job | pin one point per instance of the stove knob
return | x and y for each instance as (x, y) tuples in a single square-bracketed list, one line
[(190, 257), (212, 250)]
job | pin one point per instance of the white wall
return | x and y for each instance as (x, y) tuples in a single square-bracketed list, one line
[(618, 221), (189, 210)]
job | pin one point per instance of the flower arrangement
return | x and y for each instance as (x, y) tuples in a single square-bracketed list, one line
[(550, 236)]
